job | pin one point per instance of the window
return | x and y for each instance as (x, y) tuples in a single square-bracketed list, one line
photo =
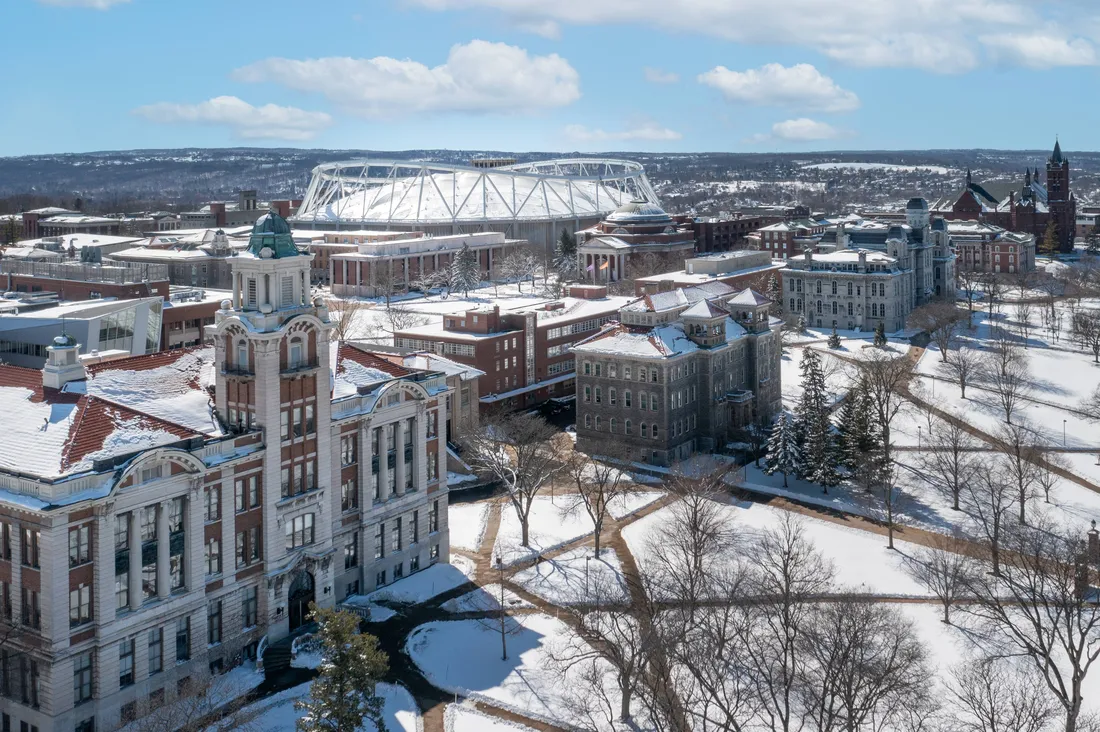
[(80, 605), (294, 358), (213, 503), (433, 517), (653, 375), (349, 493), (126, 662), (156, 651), (395, 535), (379, 543), (612, 396), (643, 401), (311, 424), (242, 355), (347, 450), (249, 607), (599, 395), (248, 547), (588, 421), (128, 712), (416, 527), (32, 611), (599, 370), (82, 677), (183, 639), (643, 429), (653, 402), (654, 431), (214, 622), (299, 531), (246, 493), (80, 545), (380, 578), (398, 571), (122, 588), (611, 425), (587, 394), (351, 551), (627, 428), (284, 424), (213, 557), (626, 398), (433, 552), (30, 548)]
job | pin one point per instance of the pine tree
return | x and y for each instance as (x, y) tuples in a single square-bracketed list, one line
[(565, 256), (880, 335), (813, 417), (849, 428), (827, 474), (774, 294), (1048, 245), (345, 692), (783, 453), (465, 271), (834, 340)]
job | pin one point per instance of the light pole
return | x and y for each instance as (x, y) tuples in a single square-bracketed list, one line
[(586, 561), (503, 640), (918, 438), (1063, 433), (933, 385)]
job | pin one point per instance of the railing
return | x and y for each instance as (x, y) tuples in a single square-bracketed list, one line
[(301, 366), (115, 273)]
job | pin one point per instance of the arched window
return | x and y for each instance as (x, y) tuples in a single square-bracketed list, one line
[(653, 401), (834, 287), (611, 425), (627, 428), (295, 353), (642, 429), (588, 421), (653, 375), (597, 423), (819, 307), (849, 308)]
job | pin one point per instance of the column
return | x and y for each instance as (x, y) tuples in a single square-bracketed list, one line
[(365, 496), (305, 287), (194, 560), (237, 291), (163, 549), (383, 464), (104, 552), (399, 443), (420, 445), (441, 456), (135, 559)]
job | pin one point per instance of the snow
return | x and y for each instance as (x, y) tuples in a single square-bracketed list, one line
[(576, 578), (464, 657), (467, 522), (485, 599), (459, 718), (459, 478), (378, 613), (421, 586), (551, 524), (626, 504), (884, 167), (277, 713)]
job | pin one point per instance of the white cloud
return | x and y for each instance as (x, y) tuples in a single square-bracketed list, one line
[(656, 76), (800, 86), (1040, 50), (94, 4), (802, 129), (545, 28), (648, 132), (936, 35), (267, 122), (478, 77)]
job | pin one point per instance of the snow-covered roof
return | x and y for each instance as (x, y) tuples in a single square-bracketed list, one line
[(79, 241), (353, 368), (703, 309), (663, 341), (749, 297), (424, 361)]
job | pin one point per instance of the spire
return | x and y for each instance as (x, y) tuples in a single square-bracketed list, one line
[(1057, 158), (1027, 177), (968, 180)]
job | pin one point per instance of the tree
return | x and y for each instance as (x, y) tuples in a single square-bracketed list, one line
[(834, 339), (784, 455), (1021, 457), (755, 435), (886, 377), (427, 281), (775, 294), (970, 284), (942, 569), (994, 290), (965, 364), (349, 313), (1048, 245), (998, 695), (202, 700), (1048, 472), (989, 496), (950, 458), (565, 256), (1037, 607), (1023, 318), (941, 321), (1007, 372), (519, 266), (519, 451), (1086, 327), (818, 462), (599, 483), (880, 335), (465, 271), (344, 694)]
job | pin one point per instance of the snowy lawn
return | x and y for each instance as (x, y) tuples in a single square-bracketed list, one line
[(551, 522), (277, 713), (459, 718), (421, 586), (485, 599), (467, 524), (575, 578), (622, 506), (861, 561), (463, 657)]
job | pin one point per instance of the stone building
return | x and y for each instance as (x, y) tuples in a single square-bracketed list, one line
[(681, 373), (160, 515), (849, 289)]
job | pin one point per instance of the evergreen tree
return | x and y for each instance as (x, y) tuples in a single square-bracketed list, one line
[(834, 339), (870, 435), (813, 416), (465, 271), (827, 473), (851, 427), (565, 256), (1048, 245), (345, 692), (783, 453), (774, 294), (880, 335)]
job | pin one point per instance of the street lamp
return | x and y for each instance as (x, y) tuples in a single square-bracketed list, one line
[(918, 438), (1063, 433), (933, 385), (586, 561), (503, 640)]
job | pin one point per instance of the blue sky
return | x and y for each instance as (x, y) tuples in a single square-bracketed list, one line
[(587, 75)]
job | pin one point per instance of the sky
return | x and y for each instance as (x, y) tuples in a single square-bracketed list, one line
[(549, 75)]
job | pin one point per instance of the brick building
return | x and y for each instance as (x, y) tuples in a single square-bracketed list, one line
[(722, 233), (79, 281), (983, 247), (786, 239)]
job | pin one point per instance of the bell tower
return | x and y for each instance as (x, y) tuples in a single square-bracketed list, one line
[(1060, 201), (272, 360)]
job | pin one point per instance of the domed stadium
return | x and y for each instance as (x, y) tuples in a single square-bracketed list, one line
[(532, 201)]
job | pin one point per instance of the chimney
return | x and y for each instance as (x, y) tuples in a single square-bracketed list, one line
[(62, 363), (862, 260)]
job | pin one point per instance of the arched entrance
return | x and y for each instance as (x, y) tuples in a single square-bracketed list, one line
[(298, 598)]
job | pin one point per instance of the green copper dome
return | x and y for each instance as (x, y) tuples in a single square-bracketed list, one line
[(272, 232)]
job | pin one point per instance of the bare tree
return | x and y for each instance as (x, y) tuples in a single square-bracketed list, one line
[(950, 458), (1086, 327), (1022, 310), (989, 496), (518, 266), (994, 291), (1047, 476), (941, 321), (1021, 457), (599, 483), (519, 450), (886, 377), (970, 284), (965, 364), (1037, 607), (349, 314), (996, 695), (866, 666), (942, 568), (434, 280), (206, 701), (1007, 372)]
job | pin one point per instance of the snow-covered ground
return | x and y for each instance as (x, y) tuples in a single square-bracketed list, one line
[(464, 657), (576, 577), (277, 713), (460, 718), (421, 586), (624, 505), (551, 523), (885, 167), (485, 599), (467, 524)]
